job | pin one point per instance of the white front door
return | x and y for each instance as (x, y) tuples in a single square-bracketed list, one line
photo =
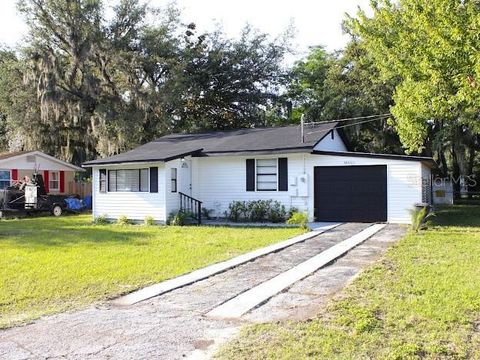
[(186, 177)]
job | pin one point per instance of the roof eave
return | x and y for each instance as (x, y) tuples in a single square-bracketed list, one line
[(426, 160), (42, 154), (73, 167), (139, 161), (299, 149), (326, 132)]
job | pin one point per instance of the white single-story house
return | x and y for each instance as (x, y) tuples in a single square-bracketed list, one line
[(309, 168), (18, 164)]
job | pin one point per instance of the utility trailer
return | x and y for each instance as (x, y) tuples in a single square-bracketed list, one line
[(30, 198)]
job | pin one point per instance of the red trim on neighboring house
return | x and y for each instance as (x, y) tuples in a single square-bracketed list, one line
[(62, 182), (46, 182), (14, 174)]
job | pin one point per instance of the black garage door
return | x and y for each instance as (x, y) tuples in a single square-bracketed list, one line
[(351, 193)]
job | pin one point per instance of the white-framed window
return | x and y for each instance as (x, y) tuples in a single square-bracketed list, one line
[(54, 181), (133, 180), (267, 174), (5, 179)]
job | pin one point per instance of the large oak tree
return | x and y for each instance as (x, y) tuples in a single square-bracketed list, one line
[(83, 85)]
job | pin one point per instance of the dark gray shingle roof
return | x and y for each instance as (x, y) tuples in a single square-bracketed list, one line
[(266, 140)]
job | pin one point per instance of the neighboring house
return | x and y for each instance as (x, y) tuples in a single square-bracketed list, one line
[(56, 173), (317, 174)]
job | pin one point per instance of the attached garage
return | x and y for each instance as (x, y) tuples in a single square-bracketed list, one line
[(361, 187), (350, 193)]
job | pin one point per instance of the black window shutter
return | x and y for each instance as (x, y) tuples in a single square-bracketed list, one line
[(282, 174), (154, 179), (103, 180), (250, 174)]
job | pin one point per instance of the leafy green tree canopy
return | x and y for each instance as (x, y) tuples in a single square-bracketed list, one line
[(345, 84), (432, 48)]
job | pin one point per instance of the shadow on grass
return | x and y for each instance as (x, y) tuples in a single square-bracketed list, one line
[(78, 230), (458, 215), (63, 235)]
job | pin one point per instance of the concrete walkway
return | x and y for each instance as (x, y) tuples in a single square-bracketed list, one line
[(173, 325)]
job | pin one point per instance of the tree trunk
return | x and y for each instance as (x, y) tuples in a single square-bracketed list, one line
[(471, 163), (443, 163), (455, 172)]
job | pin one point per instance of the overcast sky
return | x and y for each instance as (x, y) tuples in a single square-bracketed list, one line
[(317, 22)]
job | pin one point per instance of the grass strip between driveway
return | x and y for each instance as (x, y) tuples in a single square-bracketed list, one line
[(421, 301), (49, 265)]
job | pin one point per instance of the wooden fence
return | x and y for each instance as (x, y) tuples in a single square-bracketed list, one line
[(81, 188)]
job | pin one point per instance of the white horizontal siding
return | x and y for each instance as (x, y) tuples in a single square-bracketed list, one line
[(172, 199), (134, 205), (404, 190), (329, 144), (218, 181)]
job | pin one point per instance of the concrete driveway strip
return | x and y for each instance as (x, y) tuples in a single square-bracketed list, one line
[(206, 272), (246, 301), (310, 296)]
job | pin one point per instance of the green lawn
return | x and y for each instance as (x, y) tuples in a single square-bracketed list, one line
[(50, 264), (421, 301)]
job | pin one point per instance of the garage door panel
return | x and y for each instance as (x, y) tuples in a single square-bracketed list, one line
[(350, 193)]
